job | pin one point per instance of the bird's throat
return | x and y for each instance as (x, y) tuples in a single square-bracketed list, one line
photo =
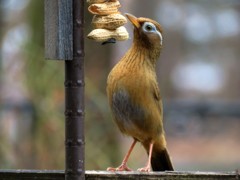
[(149, 53)]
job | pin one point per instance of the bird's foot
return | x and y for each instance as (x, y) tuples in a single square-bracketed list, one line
[(122, 167), (144, 169)]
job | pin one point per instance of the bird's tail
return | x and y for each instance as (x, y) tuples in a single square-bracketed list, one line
[(161, 161)]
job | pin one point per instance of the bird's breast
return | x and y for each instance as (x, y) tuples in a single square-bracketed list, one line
[(130, 93)]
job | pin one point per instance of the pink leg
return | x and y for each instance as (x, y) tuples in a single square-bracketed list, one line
[(123, 166), (147, 168)]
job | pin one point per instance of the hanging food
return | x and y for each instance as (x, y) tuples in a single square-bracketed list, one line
[(107, 21)]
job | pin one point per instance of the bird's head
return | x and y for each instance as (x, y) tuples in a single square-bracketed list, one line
[(147, 32)]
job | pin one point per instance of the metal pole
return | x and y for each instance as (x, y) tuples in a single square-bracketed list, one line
[(74, 97)]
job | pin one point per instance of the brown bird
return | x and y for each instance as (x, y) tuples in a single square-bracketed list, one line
[(134, 95)]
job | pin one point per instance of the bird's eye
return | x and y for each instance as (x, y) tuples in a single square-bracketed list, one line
[(148, 27)]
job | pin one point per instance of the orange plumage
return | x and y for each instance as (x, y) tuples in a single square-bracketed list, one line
[(134, 96)]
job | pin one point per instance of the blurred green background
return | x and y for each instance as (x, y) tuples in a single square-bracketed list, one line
[(199, 64)]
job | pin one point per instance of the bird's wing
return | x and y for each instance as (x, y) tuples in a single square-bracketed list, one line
[(156, 92), (157, 97)]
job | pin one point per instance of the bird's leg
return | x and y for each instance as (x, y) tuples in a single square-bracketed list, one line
[(147, 168), (123, 166)]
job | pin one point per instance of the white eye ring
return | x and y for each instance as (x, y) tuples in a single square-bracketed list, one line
[(149, 27)]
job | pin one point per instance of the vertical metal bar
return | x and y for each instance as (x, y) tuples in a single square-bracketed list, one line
[(74, 97)]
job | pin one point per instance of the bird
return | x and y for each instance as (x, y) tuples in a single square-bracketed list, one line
[(134, 97)]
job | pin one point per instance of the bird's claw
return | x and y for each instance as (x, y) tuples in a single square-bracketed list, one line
[(122, 167), (144, 169)]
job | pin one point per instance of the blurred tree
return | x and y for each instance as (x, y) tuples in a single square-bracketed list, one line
[(44, 80)]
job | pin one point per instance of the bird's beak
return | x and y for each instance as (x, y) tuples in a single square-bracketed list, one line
[(133, 20)]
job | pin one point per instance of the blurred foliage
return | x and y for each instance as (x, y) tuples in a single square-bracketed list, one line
[(44, 80)]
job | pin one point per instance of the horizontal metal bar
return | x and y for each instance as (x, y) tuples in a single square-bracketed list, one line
[(90, 175), (21, 174)]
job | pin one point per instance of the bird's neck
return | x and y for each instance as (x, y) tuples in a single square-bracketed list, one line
[(150, 52)]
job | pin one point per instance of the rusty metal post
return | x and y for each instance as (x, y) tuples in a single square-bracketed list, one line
[(74, 97)]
